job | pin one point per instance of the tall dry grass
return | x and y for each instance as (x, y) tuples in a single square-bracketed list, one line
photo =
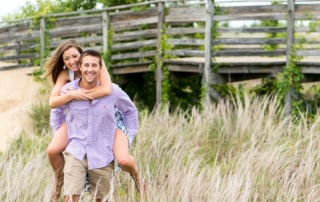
[(232, 151)]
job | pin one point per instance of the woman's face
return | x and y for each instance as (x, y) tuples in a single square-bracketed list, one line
[(71, 59)]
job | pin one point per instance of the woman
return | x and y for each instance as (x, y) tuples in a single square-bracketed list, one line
[(63, 67)]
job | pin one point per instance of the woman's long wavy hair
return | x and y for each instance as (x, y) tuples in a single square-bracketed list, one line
[(54, 64)]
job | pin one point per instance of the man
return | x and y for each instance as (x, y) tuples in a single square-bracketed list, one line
[(91, 128)]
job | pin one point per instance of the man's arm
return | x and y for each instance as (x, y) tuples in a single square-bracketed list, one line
[(129, 111), (57, 116)]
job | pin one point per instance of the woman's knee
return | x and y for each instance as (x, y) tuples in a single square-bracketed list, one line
[(123, 161), (52, 150)]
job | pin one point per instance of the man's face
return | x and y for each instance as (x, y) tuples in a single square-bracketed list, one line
[(90, 69)]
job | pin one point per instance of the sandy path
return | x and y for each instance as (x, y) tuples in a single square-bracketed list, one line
[(18, 92)]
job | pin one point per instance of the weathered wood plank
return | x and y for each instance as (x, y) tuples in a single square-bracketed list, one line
[(307, 29), (134, 45), (15, 28), (263, 64), (185, 68), (97, 48), (19, 57), (315, 52), (247, 41), (253, 67), (313, 16), (252, 30), (185, 14), (186, 41), (184, 30), (256, 16), (248, 52), (309, 67), (133, 55), (75, 30), (133, 15), (136, 64), (82, 41), (133, 24), (15, 46), (131, 68), (133, 19), (132, 35), (193, 61), (183, 53), (268, 9), (250, 70), (78, 20), (30, 35), (307, 8)]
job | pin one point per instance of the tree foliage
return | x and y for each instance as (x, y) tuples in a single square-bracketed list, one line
[(77, 5), (29, 10), (43, 7), (107, 3)]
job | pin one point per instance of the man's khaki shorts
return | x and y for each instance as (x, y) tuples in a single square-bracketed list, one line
[(75, 172)]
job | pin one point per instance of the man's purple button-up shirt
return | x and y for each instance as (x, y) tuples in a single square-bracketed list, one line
[(91, 125)]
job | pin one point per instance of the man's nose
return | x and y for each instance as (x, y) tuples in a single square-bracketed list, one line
[(90, 67)]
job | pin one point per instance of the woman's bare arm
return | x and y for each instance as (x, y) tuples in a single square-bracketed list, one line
[(57, 98)]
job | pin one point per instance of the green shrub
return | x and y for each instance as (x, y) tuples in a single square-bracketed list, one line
[(40, 115)]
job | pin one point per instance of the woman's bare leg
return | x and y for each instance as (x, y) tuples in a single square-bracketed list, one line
[(55, 149), (125, 160)]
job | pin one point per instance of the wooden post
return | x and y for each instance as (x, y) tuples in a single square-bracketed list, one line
[(18, 51), (158, 73), (105, 31), (42, 39), (208, 56), (290, 41)]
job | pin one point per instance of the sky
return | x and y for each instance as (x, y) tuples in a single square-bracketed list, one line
[(10, 6)]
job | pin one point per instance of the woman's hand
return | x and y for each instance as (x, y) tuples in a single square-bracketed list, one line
[(79, 94)]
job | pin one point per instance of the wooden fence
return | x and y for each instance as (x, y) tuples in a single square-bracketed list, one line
[(220, 43)]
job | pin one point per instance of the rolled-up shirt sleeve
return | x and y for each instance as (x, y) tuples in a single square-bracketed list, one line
[(131, 121), (57, 117), (129, 111)]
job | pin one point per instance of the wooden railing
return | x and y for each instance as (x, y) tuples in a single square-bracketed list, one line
[(221, 43)]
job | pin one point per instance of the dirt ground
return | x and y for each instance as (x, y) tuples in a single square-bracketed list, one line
[(18, 92)]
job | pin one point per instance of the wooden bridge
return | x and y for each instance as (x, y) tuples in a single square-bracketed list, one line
[(217, 41)]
